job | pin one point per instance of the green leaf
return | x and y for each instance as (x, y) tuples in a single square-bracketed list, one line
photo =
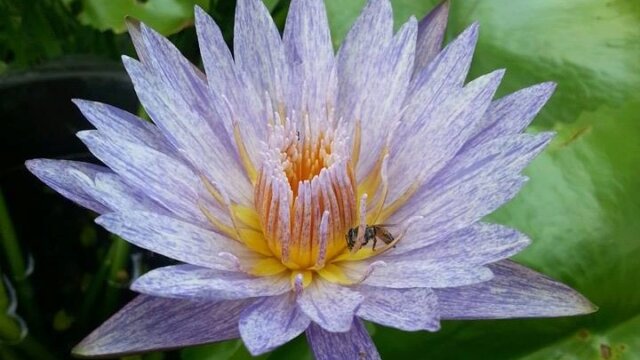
[(618, 342), (226, 350), (165, 16), (590, 47), (341, 15), (219, 351)]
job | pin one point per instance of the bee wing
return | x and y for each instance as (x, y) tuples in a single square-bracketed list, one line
[(383, 234)]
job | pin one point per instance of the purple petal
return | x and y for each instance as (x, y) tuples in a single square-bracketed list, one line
[(59, 175), (198, 129), (191, 282), (133, 27), (374, 71), (514, 292), (163, 178), (91, 186), (206, 142), (271, 322), (497, 159), (231, 94), (258, 50), (216, 56), (354, 344), (116, 194), (404, 309), (477, 244), (114, 122), (466, 205), (431, 31), (330, 305), (310, 56), (428, 273), (437, 132), (436, 84), (173, 238), (185, 115), (360, 55), (384, 98), (449, 68), (150, 323), (511, 114), (458, 192)]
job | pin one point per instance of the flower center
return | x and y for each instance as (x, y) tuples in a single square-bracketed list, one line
[(309, 214), (305, 195)]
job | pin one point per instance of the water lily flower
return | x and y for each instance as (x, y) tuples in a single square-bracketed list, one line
[(304, 191)]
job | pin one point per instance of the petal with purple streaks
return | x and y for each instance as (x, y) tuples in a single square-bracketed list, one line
[(431, 31), (353, 344), (330, 305), (174, 238), (514, 292), (511, 114), (58, 175), (271, 322), (193, 282), (151, 323), (259, 51), (406, 309)]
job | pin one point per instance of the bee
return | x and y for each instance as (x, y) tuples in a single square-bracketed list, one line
[(371, 233)]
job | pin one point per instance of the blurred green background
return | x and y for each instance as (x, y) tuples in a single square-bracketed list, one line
[(581, 206)]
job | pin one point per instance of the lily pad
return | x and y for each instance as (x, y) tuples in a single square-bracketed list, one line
[(165, 16)]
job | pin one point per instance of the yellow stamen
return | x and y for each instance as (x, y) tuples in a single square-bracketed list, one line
[(244, 154)]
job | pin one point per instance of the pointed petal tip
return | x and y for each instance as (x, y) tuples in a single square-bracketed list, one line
[(38, 166), (85, 135), (547, 136), (84, 104), (472, 31), (147, 31), (201, 15), (438, 11), (85, 350), (198, 10), (127, 59), (583, 306), (104, 219), (498, 74), (32, 164), (81, 351), (542, 91), (549, 85)]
